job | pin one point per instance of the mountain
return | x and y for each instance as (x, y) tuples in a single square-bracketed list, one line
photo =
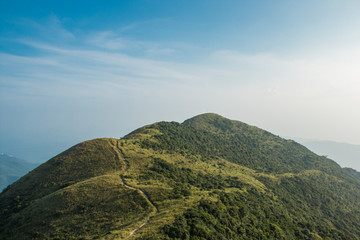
[(12, 168), (347, 155), (206, 178)]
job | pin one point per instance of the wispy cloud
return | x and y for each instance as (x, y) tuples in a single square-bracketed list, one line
[(110, 40), (51, 29), (282, 75), (61, 66), (269, 86)]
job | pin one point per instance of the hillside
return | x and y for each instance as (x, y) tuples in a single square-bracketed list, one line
[(12, 168), (206, 178)]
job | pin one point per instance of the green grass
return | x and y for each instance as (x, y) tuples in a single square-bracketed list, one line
[(88, 210), (83, 161)]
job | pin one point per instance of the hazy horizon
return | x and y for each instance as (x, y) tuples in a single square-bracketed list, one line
[(73, 71)]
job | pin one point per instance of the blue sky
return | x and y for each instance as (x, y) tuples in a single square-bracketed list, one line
[(77, 70)]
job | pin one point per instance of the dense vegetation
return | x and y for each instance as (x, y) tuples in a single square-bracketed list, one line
[(207, 178), (239, 216), (186, 176), (250, 216), (236, 142)]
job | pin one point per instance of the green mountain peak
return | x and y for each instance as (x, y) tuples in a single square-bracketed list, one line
[(209, 122), (205, 117), (206, 178)]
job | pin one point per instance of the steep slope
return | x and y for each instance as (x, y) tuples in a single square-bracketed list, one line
[(206, 178), (12, 168)]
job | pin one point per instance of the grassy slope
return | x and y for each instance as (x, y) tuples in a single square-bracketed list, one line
[(80, 162), (77, 194), (209, 178), (88, 209)]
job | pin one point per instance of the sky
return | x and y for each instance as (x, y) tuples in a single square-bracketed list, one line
[(77, 70)]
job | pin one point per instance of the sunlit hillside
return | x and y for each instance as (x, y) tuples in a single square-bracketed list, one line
[(206, 178)]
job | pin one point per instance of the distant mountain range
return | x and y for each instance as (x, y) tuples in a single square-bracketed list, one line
[(347, 155), (206, 178), (12, 168)]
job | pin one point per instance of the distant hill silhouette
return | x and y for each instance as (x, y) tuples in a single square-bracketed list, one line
[(12, 168), (347, 155)]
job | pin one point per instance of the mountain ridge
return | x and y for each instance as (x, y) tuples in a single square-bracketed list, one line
[(208, 177)]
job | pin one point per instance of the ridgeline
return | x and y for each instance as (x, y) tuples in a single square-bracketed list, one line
[(206, 178)]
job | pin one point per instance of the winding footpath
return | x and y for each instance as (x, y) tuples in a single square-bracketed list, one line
[(127, 166)]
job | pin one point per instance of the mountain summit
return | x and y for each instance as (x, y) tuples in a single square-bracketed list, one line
[(206, 178)]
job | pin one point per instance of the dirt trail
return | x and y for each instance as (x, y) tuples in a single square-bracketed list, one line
[(127, 166)]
